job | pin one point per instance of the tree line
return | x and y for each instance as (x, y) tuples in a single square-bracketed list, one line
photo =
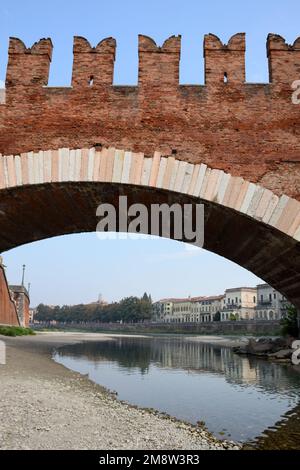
[(128, 310)]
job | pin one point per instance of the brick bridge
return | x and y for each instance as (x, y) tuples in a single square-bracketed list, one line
[(233, 145)]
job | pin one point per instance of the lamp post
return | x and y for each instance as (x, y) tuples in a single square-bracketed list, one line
[(23, 274)]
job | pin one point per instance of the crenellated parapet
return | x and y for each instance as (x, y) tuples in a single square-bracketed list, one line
[(240, 127), (224, 63), (284, 59), (93, 66), (158, 65), (28, 66)]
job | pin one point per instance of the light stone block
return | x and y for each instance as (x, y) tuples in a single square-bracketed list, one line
[(174, 175), (154, 169), (103, 164), (187, 178), (248, 198), (91, 160), (283, 200), (255, 200), (133, 167), (288, 216), (118, 166), (297, 235), (215, 189), (18, 170), (241, 195), (146, 171), (235, 195), (200, 179), (139, 168), (55, 166), (194, 179), (2, 179), (180, 176), (41, 166), (84, 164), (270, 209), (263, 204), (96, 166), (77, 164), (225, 178), (205, 182), (109, 164), (24, 166), (5, 168), (30, 168), (72, 164), (11, 171), (64, 164), (295, 224), (233, 191), (36, 169), (211, 187), (47, 166), (161, 172), (126, 168), (168, 172)]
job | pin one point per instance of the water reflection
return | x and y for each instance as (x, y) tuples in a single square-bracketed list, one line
[(236, 396)]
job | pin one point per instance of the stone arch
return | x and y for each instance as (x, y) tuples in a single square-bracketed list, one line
[(244, 221)]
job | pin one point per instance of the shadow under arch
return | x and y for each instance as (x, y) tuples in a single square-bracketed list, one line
[(38, 211)]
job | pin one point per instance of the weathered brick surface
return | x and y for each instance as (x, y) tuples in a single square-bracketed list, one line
[(248, 130), (8, 312), (228, 128)]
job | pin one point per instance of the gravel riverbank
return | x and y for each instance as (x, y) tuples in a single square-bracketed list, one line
[(43, 405)]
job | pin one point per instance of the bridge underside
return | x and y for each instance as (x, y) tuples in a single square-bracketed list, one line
[(42, 211)]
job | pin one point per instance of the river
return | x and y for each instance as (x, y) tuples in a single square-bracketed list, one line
[(241, 398)]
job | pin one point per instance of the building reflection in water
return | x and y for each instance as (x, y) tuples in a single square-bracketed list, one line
[(185, 354), (243, 395)]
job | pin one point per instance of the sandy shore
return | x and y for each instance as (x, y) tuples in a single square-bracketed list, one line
[(43, 405)]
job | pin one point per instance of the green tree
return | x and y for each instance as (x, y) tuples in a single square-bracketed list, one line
[(129, 309), (217, 316), (289, 324)]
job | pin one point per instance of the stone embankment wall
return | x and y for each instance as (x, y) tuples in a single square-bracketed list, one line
[(215, 328)]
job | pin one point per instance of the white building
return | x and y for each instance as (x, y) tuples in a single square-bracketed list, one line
[(162, 310), (239, 304), (271, 305), (204, 309), (190, 309), (242, 303)]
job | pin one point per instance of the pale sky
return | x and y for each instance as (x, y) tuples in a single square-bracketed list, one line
[(76, 268)]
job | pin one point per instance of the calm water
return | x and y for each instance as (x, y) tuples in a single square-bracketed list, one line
[(237, 397)]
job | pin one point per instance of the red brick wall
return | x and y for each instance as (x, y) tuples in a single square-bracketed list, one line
[(248, 130), (8, 312)]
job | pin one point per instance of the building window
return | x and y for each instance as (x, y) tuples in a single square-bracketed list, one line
[(254, 299)]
